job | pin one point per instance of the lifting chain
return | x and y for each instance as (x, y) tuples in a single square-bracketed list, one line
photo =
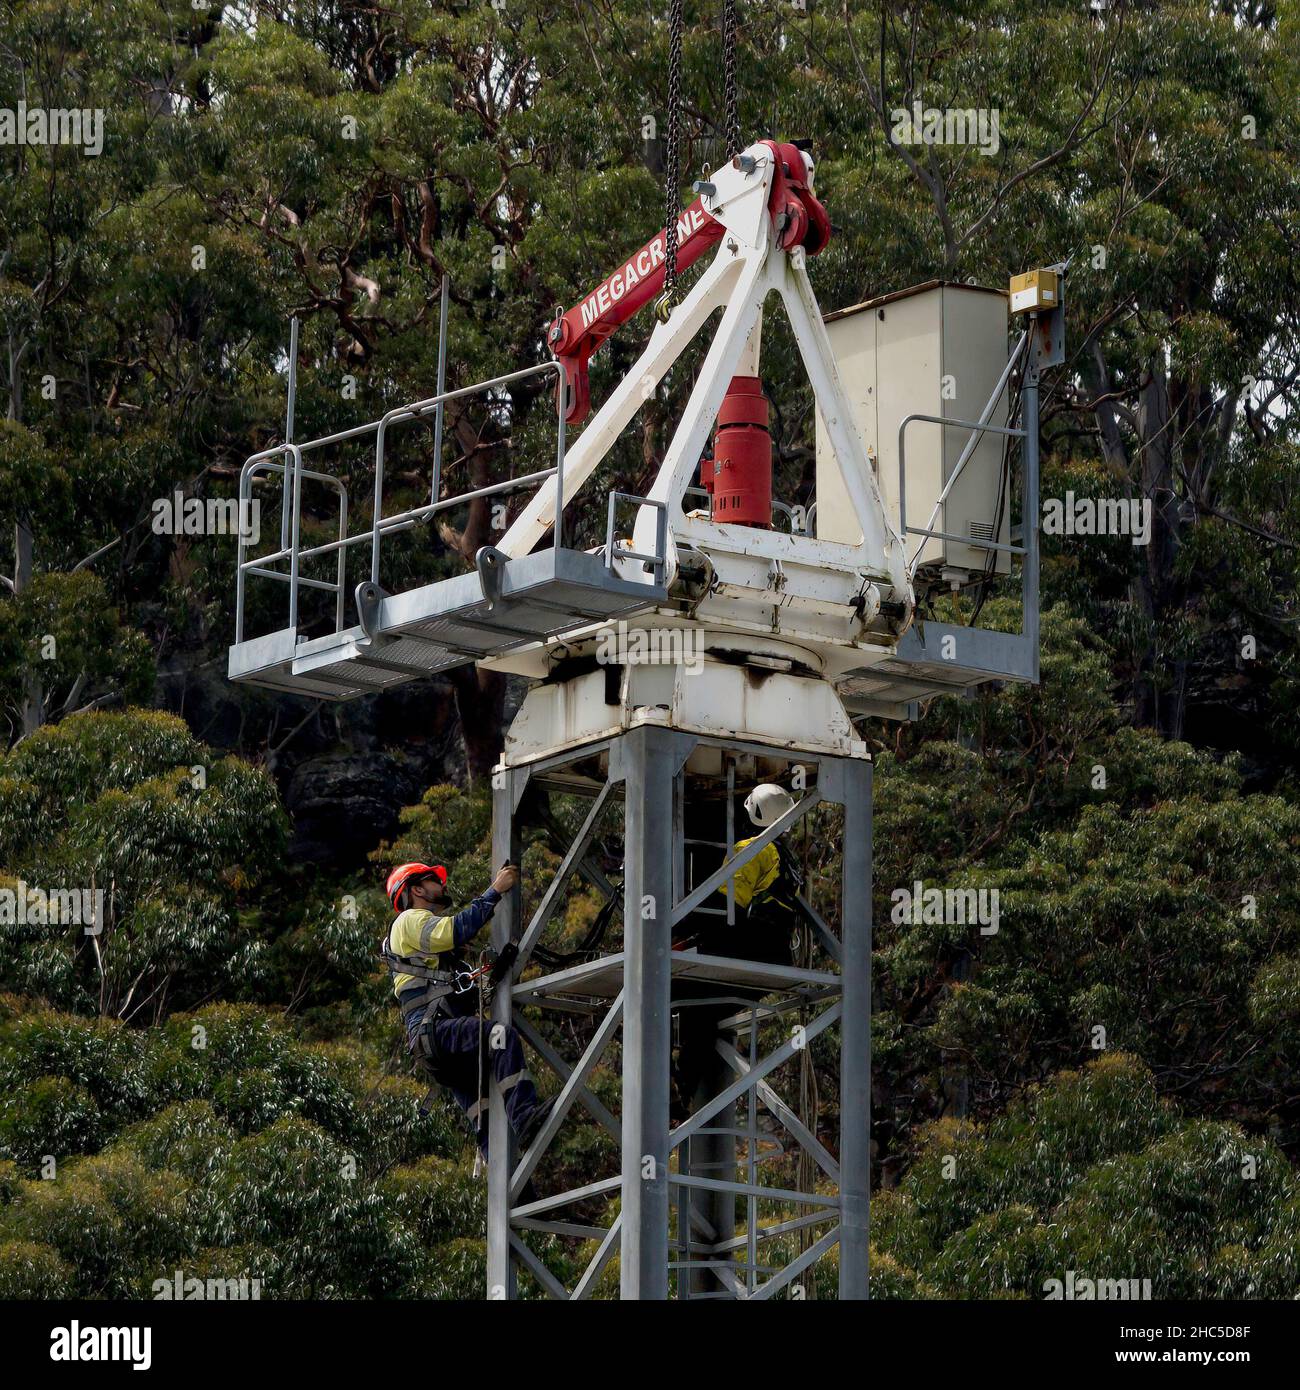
[(672, 173), (731, 127), (672, 153)]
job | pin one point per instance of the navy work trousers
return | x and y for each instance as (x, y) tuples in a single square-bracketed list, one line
[(452, 1050)]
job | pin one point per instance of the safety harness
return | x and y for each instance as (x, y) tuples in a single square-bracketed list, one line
[(440, 987), (781, 895), (788, 884)]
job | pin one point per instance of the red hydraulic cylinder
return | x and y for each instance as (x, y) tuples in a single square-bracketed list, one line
[(741, 486)]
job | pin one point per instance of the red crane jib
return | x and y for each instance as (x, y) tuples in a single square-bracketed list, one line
[(575, 336), (799, 220)]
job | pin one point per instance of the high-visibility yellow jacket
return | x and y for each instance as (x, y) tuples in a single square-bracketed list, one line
[(419, 932), (755, 878)]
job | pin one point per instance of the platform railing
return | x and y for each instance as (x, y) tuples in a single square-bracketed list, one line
[(265, 463), (290, 549), (928, 531), (614, 551), (1028, 433), (978, 428)]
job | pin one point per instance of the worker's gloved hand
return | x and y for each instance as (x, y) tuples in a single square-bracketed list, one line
[(507, 877)]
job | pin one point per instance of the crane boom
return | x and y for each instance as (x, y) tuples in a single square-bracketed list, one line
[(576, 335)]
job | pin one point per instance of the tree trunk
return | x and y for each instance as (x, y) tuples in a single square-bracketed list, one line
[(33, 698), (480, 702), (1159, 591)]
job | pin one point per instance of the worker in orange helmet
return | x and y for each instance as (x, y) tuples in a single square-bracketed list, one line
[(446, 1037)]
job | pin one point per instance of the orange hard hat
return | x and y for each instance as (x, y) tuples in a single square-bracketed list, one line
[(405, 874)]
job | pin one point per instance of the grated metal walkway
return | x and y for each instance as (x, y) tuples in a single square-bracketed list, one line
[(449, 623)]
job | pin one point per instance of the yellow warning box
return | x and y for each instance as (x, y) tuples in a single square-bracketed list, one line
[(1035, 290)]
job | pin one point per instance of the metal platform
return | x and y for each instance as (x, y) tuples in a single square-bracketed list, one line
[(506, 603), (939, 659), (603, 979), (439, 626)]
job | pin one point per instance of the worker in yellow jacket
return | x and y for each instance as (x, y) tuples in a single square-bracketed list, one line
[(766, 914), (765, 892), (439, 998)]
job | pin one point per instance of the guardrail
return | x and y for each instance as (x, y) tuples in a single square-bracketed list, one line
[(291, 520), (928, 531), (1029, 550), (977, 428), (614, 551)]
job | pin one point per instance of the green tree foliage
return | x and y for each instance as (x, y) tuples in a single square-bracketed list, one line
[(131, 806), (218, 1143), (1092, 1173), (1143, 892)]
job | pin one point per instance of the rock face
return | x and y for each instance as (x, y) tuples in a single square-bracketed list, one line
[(344, 771), (344, 804)]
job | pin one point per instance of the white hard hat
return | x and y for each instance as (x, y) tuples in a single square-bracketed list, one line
[(767, 803)]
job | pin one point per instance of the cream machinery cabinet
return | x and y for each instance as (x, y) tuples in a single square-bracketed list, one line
[(935, 349)]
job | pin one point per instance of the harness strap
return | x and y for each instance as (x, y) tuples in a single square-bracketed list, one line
[(416, 966), (440, 984), (425, 1001), (783, 891)]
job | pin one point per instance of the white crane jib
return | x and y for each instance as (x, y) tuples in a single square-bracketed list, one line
[(764, 580)]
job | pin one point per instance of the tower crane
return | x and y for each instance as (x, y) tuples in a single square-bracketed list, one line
[(699, 648)]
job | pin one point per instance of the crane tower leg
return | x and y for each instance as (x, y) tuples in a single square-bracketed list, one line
[(647, 1026), (855, 1031), (507, 787)]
